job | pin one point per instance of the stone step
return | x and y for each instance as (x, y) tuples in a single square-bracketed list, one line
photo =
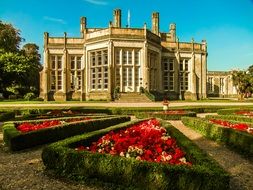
[(132, 97)]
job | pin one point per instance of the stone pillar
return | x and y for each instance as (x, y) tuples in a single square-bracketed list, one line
[(117, 18), (204, 75), (110, 69), (64, 69), (83, 78), (46, 74), (155, 23), (159, 72), (204, 64), (121, 70), (193, 77), (176, 74), (146, 67), (133, 73)]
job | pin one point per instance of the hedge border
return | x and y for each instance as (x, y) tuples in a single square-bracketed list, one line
[(231, 118), (17, 140), (231, 111), (240, 142), (165, 116), (5, 116), (123, 110), (204, 174)]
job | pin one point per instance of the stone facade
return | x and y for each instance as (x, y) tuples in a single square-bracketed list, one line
[(220, 84), (101, 59)]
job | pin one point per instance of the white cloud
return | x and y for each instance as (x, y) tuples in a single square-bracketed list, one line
[(61, 21), (96, 2)]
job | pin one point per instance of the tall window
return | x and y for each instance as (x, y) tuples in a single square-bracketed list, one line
[(210, 84), (99, 69), (184, 74), (56, 72), (75, 72), (127, 71), (168, 75)]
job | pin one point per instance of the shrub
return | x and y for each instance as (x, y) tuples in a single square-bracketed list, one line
[(231, 117), (241, 142), (163, 115), (29, 96), (232, 111), (65, 160), (8, 115), (16, 140)]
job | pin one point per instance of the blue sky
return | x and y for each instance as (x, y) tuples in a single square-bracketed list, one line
[(227, 25)]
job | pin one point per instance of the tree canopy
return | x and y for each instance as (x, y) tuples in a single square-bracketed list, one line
[(9, 38), (243, 81), (19, 68)]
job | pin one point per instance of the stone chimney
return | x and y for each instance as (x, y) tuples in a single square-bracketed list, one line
[(117, 18), (155, 23), (173, 32), (82, 24)]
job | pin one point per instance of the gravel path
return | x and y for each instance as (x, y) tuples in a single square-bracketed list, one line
[(24, 170), (240, 169)]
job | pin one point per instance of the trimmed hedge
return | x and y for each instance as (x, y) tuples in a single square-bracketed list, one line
[(241, 142), (231, 117), (232, 111), (66, 161), (4, 116), (164, 116), (17, 140)]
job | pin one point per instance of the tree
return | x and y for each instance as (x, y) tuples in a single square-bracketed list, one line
[(9, 38), (243, 81), (19, 69), (32, 51)]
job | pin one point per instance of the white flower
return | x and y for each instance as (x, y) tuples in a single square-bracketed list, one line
[(122, 154), (182, 160)]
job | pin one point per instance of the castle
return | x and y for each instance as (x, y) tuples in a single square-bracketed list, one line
[(101, 60)]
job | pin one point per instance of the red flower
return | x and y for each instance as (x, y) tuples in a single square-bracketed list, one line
[(26, 127), (144, 141), (237, 126), (246, 113)]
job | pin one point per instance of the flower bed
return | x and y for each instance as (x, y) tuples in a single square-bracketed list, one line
[(231, 118), (237, 126), (239, 141), (135, 172), (17, 140), (144, 141), (167, 115), (29, 126), (46, 114), (236, 111), (245, 113)]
